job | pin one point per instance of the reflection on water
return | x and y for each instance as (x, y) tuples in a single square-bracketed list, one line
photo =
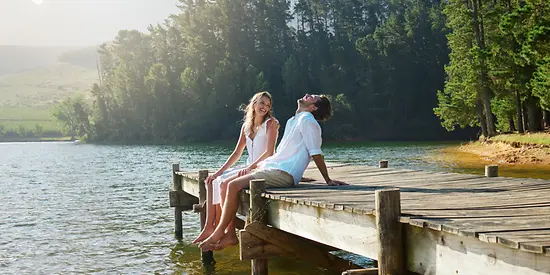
[(68, 208)]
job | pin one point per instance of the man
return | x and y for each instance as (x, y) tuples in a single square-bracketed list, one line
[(301, 142)]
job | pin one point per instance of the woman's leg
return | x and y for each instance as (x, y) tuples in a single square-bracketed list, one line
[(209, 225), (219, 239)]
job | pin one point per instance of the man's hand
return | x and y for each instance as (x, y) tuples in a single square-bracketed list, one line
[(336, 183)]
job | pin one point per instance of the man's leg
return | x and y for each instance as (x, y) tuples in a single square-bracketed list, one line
[(229, 211)]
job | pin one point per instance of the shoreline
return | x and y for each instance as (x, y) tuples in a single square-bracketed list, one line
[(515, 159), (35, 139)]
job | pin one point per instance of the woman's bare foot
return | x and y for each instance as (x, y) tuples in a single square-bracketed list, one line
[(229, 239), (206, 232), (209, 242)]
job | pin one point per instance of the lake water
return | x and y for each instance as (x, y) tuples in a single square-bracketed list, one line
[(97, 209)]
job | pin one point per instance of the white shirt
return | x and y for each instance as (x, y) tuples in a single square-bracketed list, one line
[(301, 140), (257, 146)]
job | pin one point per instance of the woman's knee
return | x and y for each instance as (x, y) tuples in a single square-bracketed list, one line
[(237, 185)]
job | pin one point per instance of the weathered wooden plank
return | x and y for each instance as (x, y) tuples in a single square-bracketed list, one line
[(190, 186), (434, 252), (390, 236), (352, 232), (473, 227), (179, 198), (476, 213), (539, 246), (258, 213), (528, 240)]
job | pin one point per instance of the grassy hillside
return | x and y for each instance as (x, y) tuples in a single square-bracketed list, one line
[(13, 118), (45, 86), (33, 80)]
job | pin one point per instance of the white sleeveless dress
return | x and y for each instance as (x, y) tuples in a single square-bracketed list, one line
[(255, 148)]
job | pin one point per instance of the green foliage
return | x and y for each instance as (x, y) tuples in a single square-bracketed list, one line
[(72, 115), (498, 64), (380, 61)]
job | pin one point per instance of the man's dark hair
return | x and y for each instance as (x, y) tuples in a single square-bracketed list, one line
[(324, 109)]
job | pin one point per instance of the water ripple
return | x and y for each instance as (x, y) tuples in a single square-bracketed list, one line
[(67, 209)]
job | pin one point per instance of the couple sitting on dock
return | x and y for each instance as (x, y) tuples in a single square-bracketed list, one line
[(301, 142)]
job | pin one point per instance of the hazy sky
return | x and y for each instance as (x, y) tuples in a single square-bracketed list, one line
[(76, 22)]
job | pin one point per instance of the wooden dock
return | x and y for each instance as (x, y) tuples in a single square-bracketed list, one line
[(449, 223)]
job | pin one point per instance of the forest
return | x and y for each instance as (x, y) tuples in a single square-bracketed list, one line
[(394, 69)]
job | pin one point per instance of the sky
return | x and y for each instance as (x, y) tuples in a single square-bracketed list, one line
[(76, 22)]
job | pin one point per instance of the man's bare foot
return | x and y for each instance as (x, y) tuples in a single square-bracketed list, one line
[(206, 232), (229, 239), (214, 238)]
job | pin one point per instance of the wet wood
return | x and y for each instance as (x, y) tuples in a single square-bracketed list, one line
[(491, 171), (254, 248), (302, 248), (364, 271), (207, 257), (258, 213), (175, 201)]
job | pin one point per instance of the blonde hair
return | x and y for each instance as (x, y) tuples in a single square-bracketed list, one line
[(249, 112)]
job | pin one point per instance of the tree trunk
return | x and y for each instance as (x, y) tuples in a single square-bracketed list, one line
[(511, 124), (521, 129), (546, 118), (481, 116), (485, 90), (533, 115), (490, 119), (525, 116)]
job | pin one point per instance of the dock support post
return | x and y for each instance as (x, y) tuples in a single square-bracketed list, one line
[(176, 186), (258, 213), (388, 211), (383, 164), (207, 257), (491, 171)]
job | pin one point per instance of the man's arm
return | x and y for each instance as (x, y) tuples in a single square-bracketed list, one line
[(320, 162)]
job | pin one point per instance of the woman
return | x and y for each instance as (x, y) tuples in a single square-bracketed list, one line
[(259, 135)]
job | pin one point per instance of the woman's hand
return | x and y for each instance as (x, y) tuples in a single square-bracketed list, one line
[(211, 178), (245, 171)]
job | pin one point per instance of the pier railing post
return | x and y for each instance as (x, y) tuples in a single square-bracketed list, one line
[(388, 211), (258, 213), (176, 186), (491, 171), (383, 164), (206, 256)]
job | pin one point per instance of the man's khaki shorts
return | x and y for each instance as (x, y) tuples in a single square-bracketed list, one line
[(274, 178)]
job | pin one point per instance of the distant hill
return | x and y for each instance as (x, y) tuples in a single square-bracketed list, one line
[(41, 76), (14, 59), (45, 86), (33, 79)]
